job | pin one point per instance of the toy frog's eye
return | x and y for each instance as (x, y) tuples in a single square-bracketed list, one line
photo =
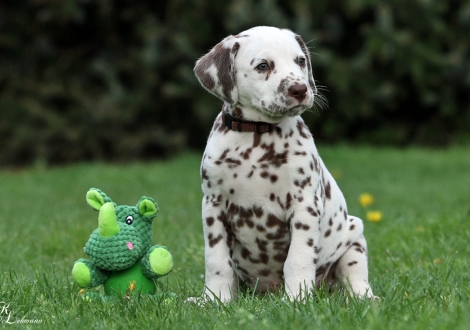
[(129, 219)]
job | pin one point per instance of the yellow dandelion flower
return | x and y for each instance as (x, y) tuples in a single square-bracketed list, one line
[(374, 216), (366, 199)]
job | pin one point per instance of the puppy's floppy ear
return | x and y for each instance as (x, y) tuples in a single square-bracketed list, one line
[(305, 50), (215, 70)]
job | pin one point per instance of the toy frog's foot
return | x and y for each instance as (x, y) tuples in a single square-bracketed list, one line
[(161, 261), (158, 262), (87, 275), (81, 273)]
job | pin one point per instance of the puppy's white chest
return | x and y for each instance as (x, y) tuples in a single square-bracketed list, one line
[(254, 169)]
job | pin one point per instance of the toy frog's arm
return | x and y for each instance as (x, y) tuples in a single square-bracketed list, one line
[(87, 275), (157, 262)]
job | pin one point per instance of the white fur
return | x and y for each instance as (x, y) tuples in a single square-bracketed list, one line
[(273, 215)]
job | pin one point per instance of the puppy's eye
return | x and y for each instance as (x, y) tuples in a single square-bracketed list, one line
[(263, 66), (129, 219), (301, 61)]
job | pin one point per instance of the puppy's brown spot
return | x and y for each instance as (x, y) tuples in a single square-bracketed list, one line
[(288, 201), (273, 178), (210, 221), (312, 211), (264, 272), (328, 190), (213, 241), (262, 245), (272, 157), (301, 127), (299, 225), (273, 221), (258, 211), (260, 228)]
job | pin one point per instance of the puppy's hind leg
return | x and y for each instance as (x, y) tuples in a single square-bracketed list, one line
[(352, 269)]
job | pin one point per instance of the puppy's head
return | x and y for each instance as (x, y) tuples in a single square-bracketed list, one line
[(264, 69)]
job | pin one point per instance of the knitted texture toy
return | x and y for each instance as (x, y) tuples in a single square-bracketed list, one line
[(121, 254)]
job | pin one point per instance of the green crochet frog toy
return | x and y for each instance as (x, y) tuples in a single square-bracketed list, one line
[(120, 249)]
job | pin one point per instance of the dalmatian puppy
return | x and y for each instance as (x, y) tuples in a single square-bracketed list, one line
[(273, 216)]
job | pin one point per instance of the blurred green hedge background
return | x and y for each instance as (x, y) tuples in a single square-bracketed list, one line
[(112, 80)]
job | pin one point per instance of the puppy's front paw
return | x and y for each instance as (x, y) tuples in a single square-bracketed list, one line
[(364, 294), (199, 301), (300, 296), (205, 299), (371, 296), (362, 290), (223, 296)]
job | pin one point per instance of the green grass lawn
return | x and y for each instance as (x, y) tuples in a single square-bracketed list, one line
[(418, 253)]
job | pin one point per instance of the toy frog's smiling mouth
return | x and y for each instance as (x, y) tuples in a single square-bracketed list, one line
[(130, 245)]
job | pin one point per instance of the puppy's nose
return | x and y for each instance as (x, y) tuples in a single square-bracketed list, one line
[(298, 91)]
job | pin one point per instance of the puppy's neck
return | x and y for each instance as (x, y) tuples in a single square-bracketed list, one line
[(246, 113)]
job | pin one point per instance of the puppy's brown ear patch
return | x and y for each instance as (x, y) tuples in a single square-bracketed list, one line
[(306, 52), (215, 70)]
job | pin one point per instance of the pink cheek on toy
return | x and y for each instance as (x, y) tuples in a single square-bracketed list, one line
[(130, 245)]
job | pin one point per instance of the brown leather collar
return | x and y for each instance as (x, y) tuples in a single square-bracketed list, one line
[(246, 126)]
